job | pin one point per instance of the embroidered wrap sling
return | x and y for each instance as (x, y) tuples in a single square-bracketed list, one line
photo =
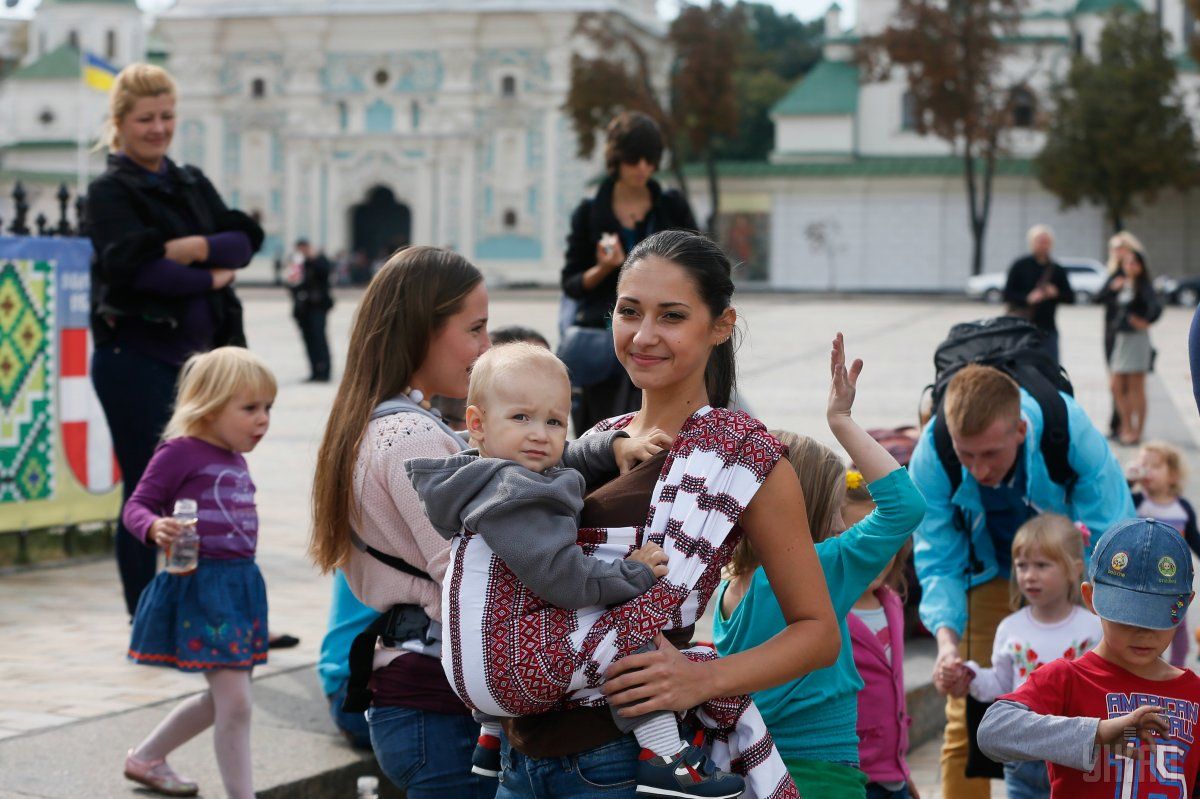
[(506, 652)]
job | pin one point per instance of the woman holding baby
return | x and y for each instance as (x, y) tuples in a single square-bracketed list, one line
[(421, 324)]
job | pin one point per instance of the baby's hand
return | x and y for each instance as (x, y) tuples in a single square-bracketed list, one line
[(652, 555), (843, 382), (1128, 732), (629, 452), (165, 530)]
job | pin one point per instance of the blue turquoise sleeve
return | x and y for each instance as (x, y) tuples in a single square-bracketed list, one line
[(854, 559), (1194, 355)]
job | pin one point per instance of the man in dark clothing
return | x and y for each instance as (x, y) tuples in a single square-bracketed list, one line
[(308, 279), (1037, 284)]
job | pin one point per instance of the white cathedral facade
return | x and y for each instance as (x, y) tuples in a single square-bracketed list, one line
[(359, 125)]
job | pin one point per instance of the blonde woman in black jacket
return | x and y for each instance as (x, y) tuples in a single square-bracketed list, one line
[(166, 248)]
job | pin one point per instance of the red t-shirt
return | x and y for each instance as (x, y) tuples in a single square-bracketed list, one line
[(1093, 687)]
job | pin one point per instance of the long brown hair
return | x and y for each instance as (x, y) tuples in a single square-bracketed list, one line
[(822, 475), (405, 304)]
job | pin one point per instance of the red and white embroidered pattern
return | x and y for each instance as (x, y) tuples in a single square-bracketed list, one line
[(511, 654)]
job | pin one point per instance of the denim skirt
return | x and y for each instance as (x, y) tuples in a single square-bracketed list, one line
[(213, 618)]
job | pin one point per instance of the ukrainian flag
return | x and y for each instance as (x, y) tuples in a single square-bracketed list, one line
[(97, 72)]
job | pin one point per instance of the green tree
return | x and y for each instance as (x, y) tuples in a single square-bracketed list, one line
[(776, 51), (952, 53), (708, 43), (1119, 132)]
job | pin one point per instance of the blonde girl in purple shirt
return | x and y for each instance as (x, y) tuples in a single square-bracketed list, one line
[(214, 619)]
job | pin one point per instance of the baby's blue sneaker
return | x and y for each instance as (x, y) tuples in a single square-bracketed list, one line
[(688, 773)]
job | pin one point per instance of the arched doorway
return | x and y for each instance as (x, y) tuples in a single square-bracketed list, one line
[(380, 225)]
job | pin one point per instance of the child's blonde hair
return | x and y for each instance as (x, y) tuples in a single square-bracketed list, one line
[(210, 380), (822, 475), (504, 360), (1173, 457), (133, 83), (1056, 537)]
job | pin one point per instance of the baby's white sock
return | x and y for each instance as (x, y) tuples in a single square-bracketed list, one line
[(659, 734), (491, 728)]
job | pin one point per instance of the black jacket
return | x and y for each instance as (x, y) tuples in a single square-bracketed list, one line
[(1116, 315), (130, 216), (313, 291), (1024, 276), (669, 210)]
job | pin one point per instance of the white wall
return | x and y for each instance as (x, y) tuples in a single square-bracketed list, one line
[(814, 134), (909, 233)]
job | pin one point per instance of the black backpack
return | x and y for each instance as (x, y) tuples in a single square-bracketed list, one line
[(1015, 347)]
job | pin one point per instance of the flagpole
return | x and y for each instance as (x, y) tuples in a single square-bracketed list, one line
[(80, 134)]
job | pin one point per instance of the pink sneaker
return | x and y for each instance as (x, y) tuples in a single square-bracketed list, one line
[(158, 776)]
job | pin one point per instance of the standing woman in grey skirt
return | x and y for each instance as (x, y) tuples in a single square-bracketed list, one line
[(1131, 307)]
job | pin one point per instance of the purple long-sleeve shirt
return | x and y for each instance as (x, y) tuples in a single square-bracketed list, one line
[(191, 285), (189, 468)]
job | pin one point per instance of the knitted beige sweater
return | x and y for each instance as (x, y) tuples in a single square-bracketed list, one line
[(391, 518)]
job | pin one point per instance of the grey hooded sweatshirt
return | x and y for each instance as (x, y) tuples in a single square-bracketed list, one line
[(531, 520)]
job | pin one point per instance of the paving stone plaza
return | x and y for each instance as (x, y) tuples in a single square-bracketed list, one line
[(62, 669)]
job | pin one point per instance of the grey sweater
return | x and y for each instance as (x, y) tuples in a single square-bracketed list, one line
[(531, 520), (1011, 732)]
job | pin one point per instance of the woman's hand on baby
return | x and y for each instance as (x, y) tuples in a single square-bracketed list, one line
[(660, 680), (653, 556), (843, 382), (1128, 732), (165, 530), (629, 452)]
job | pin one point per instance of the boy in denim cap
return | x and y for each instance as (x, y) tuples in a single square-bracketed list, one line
[(1119, 722)]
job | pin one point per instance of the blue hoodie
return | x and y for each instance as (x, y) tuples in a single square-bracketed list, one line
[(1100, 499)]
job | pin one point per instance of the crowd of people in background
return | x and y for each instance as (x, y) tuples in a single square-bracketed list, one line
[(513, 615)]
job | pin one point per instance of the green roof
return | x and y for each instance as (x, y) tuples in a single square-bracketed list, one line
[(8, 176), (831, 87), (40, 144), (56, 65), (130, 3), (863, 166), (1104, 6)]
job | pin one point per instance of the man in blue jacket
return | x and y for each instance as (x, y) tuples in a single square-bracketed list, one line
[(963, 546)]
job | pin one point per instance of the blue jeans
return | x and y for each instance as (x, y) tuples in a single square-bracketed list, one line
[(427, 754), (606, 772), (352, 725), (877, 791), (1028, 780)]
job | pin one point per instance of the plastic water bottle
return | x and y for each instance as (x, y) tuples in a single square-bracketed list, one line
[(368, 787), (183, 554)]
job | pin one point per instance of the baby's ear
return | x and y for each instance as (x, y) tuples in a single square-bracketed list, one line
[(474, 420)]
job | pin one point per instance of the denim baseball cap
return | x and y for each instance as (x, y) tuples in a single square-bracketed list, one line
[(1141, 574)]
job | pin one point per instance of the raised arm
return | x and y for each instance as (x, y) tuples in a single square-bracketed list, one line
[(868, 455)]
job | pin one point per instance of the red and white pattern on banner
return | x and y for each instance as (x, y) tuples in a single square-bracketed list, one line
[(85, 436), (512, 654)]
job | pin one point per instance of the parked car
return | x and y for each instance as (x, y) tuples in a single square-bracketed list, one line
[(1183, 291), (1086, 276)]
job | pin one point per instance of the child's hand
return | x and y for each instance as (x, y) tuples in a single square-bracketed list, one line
[(843, 382), (960, 686), (652, 555), (165, 530), (629, 452), (1127, 733)]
